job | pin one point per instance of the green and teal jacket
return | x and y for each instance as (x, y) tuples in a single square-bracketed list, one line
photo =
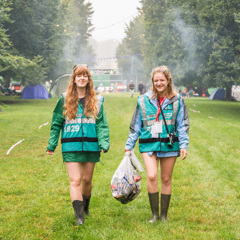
[(148, 116), (79, 134), (143, 119)]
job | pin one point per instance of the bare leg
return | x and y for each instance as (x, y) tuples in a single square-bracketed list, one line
[(151, 165), (86, 172), (167, 165), (74, 175), (80, 177)]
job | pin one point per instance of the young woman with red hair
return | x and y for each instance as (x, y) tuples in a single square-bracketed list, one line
[(79, 116)]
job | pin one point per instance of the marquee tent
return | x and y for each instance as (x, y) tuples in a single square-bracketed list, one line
[(60, 85)]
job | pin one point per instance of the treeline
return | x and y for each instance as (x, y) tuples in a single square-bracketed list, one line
[(42, 39), (198, 40)]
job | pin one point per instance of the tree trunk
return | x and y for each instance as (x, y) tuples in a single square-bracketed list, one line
[(229, 93), (6, 81)]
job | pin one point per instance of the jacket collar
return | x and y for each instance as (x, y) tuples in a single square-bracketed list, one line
[(166, 101)]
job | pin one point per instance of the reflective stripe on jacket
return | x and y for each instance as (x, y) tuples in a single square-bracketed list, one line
[(101, 131), (182, 124), (80, 134)]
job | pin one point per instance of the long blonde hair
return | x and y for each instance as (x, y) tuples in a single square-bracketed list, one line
[(71, 102), (165, 71)]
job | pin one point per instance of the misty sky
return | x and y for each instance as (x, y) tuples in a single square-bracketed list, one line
[(111, 16)]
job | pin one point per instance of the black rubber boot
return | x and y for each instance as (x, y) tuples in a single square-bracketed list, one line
[(86, 202), (78, 210), (154, 203), (165, 200)]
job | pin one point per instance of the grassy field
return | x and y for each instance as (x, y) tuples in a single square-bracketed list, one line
[(34, 187)]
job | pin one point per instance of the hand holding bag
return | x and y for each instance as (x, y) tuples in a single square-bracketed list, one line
[(126, 181)]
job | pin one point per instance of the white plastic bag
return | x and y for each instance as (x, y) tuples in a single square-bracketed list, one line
[(126, 181)]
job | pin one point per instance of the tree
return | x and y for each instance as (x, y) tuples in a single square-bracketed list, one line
[(10, 64), (223, 63), (131, 48), (198, 40), (33, 31), (165, 42), (78, 30), (4, 41), (41, 32)]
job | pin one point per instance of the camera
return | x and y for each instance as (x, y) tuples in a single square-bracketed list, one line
[(170, 143)]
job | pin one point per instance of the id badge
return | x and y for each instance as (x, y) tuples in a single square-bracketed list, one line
[(154, 135), (158, 127)]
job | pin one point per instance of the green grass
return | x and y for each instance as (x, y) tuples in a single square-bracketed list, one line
[(34, 187)]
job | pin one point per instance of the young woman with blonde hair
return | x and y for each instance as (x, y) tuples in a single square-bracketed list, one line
[(160, 121), (79, 116)]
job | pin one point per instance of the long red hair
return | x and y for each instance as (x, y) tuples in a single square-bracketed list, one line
[(71, 102), (165, 71)]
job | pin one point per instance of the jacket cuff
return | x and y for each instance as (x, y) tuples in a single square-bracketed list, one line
[(51, 148), (129, 147), (183, 146)]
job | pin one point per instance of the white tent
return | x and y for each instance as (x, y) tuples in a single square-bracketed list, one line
[(60, 85), (236, 92)]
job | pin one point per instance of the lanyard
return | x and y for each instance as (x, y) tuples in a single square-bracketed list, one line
[(159, 104), (164, 120), (170, 134)]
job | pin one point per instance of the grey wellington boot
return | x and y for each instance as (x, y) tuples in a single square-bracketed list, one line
[(78, 210), (154, 203), (165, 200), (86, 202)]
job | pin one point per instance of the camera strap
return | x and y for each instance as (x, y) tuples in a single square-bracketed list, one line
[(161, 111), (170, 135)]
